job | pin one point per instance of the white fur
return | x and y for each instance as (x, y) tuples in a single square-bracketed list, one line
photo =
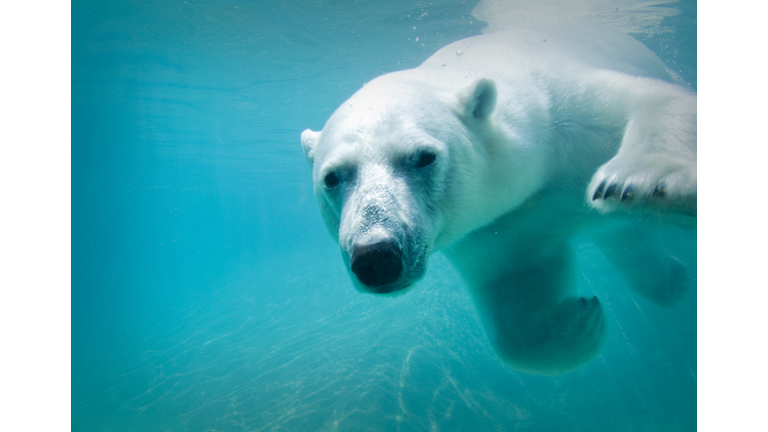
[(526, 125)]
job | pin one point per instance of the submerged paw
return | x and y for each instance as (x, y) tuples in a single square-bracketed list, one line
[(580, 320), (590, 321), (592, 302), (553, 341)]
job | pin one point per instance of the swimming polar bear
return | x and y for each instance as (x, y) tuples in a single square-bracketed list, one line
[(497, 151)]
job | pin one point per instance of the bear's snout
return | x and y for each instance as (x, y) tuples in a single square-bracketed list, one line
[(378, 265)]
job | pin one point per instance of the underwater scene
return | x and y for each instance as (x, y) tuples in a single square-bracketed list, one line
[(207, 293)]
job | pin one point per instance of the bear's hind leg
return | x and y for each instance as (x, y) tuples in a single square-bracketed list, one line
[(637, 253), (533, 324)]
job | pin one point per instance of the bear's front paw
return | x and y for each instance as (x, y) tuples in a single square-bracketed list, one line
[(653, 182), (579, 324), (549, 341)]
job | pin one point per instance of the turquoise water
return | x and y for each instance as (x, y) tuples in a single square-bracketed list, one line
[(207, 294)]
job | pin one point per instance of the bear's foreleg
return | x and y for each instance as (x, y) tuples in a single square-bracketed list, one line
[(655, 166), (531, 320)]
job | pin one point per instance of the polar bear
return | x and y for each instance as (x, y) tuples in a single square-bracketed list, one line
[(497, 151)]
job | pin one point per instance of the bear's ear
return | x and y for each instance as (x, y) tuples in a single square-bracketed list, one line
[(308, 142), (480, 100)]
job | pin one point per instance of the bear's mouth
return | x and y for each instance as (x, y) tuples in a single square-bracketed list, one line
[(387, 289)]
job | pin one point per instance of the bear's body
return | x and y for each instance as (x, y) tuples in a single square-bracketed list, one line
[(497, 151)]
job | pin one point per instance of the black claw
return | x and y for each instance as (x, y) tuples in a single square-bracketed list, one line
[(611, 190), (660, 190), (628, 193), (599, 191), (595, 301), (583, 302)]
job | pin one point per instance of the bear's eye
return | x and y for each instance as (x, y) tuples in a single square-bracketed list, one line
[(331, 180), (426, 159)]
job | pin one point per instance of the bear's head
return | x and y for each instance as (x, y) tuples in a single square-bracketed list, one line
[(402, 169)]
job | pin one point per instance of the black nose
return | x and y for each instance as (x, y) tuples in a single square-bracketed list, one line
[(377, 264)]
